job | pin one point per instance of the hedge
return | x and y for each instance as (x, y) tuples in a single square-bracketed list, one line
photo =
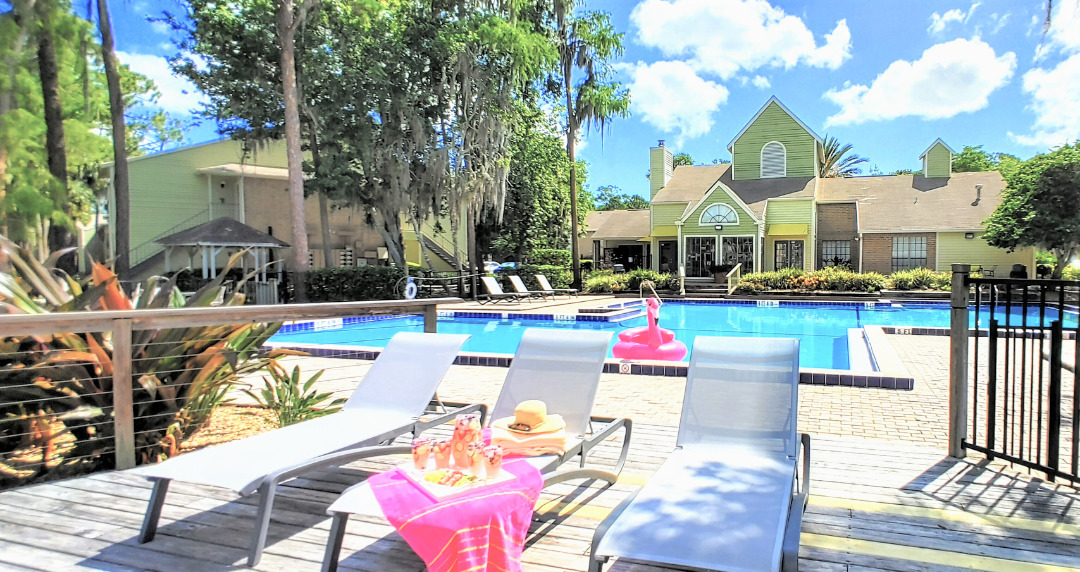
[(920, 279), (606, 281), (834, 279), (351, 283), (558, 276), (550, 257)]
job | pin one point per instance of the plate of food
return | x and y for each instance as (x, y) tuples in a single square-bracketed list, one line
[(450, 483)]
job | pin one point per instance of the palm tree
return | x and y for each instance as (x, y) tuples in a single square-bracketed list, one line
[(120, 216), (834, 163)]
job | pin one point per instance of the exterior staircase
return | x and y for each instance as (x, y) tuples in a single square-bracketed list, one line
[(710, 289), (439, 252)]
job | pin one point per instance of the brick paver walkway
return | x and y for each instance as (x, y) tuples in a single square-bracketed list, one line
[(917, 416)]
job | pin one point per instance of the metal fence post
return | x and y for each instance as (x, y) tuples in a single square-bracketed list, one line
[(123, 413), (958, 360)]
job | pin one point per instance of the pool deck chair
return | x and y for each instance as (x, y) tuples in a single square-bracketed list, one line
[(388, 402), (495, 292), (561, 368), (546, 286), (519, 287), (731, 496)]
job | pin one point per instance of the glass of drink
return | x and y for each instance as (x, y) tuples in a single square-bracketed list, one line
[(493, 458), (421, 449), (442, 452), (474, 454)]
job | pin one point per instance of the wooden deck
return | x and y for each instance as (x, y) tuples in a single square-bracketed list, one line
[(876, 505)]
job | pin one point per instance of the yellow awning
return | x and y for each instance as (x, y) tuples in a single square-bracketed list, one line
[(665, 230), (788, 229), (646, 239)]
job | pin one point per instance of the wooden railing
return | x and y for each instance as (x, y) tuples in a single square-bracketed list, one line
[(122, 323), (734, 276)]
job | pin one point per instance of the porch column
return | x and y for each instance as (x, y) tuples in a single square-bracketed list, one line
[(205, 263), (240, 191), (168, 256), (209, 197)]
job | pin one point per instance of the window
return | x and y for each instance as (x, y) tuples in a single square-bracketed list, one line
[(836, 253), (773, 160), (908, 252), (719, 214)]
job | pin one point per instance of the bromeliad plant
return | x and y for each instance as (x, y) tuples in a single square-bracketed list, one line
[(290, 401), (56, 415)]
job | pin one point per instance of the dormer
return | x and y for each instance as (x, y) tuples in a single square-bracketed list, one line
[(775, 143), (937, 160)]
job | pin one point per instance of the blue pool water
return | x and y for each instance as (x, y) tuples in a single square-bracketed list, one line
[(822, 328)]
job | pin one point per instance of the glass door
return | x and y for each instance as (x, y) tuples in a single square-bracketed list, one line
[(667, 256), (788, 254), (739, 250), (700, 255)]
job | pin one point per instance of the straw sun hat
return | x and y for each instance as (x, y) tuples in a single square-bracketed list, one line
[(531, 417)]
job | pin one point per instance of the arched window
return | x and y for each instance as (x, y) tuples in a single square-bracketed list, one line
[(719, 214), (773, 160)]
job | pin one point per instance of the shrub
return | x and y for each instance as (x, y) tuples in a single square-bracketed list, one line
[(349, 283), (1071, 273), (636, 277), (920, 279), (833, 278), (290, 401), (558, 276), (550, 257), (606, 283)]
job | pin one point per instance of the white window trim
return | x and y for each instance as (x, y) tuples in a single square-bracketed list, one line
[(706, 209), (761, 160)]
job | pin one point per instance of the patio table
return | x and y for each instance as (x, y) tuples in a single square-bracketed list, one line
[(483, 530)]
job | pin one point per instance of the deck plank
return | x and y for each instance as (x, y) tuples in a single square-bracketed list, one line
[(910, 501)]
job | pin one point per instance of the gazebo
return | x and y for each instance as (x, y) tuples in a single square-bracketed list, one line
[(210, 239)]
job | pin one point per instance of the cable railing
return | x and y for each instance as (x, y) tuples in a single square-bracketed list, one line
[(87, 391)]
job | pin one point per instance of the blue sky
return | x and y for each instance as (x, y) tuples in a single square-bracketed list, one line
[(887, 77)]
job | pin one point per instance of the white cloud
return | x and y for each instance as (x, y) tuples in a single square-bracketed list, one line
[(1053, 98), (160, 27), (997, 22), (938, 22), (950, 78), (761, 82), (672, 97), (1053, 90), (178, 95), (724, 37)]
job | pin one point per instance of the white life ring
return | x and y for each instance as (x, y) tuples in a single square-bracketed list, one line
[(410, 290)]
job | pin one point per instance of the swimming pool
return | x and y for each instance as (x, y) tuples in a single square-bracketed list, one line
[(822, 328)]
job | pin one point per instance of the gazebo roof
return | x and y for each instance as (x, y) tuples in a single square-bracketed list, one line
[(222, 232)]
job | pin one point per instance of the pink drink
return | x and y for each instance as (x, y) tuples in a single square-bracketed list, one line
[(421, 449), (474, 454), (493, 458), (441, 449), (466, 430)]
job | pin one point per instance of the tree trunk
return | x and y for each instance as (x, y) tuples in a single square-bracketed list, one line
[(474, 258), (571, 139), (324, 204), (55, 146), (7, 96), (120, 216), (286, 33)]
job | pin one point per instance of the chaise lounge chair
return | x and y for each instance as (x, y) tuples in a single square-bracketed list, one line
[(495, 292), (519, 287), (388, 402), (546, 286), (730, 497), (561, 368)]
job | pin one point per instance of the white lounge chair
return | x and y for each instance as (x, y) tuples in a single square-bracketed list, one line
[(561, 368), (520, 288), (546, 286), (730, 497), (495, 292), (388, 402)]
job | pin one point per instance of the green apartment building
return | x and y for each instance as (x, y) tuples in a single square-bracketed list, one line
[(770, 209)]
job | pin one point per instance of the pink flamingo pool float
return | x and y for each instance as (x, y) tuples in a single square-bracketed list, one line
[(649, 342)]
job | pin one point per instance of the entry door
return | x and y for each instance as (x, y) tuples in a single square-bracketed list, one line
[(739, 250), (700, 255), (667, 256), (788, 254)]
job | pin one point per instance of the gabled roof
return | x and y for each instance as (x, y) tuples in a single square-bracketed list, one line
[(936, 141), (910, 203), (618, 225), (222, 232), (689, 183), (762, 110)]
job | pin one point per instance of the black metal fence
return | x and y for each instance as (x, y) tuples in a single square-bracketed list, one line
[(1022, 396)]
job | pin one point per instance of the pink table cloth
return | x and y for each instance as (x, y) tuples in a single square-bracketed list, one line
[(484, 530)]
